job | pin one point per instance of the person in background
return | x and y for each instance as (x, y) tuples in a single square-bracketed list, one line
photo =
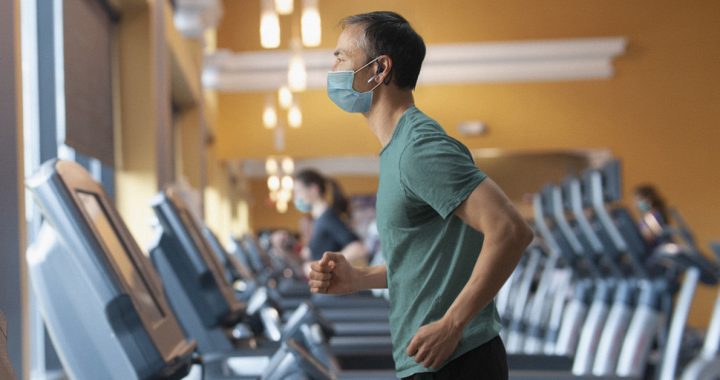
[(305, 227), (283, 242), (653, 215), (329, 230)]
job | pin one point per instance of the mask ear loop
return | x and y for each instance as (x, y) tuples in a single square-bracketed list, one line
[(373, 78), (376, 86), (380, 71), (367, 64), (387, 79)]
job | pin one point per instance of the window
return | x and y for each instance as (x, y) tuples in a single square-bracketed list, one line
[(67, 110)]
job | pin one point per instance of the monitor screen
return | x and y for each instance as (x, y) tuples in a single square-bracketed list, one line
[(612, 186), (219, 253), (200, 242), (120, 255)]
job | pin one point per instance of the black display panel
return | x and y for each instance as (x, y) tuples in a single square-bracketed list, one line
[(120, 255)]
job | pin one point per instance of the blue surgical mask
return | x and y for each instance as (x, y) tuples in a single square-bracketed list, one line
[(340, 90), (301, 205), (644, 206)]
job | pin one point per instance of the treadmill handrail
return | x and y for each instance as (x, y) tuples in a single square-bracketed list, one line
[(558, 213), (669, 361), (526, 283), (711, 347), (542, 226), (581, 219), (598, 203), (682, 228)]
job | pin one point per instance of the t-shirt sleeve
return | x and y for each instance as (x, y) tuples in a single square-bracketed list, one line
[(340, 232), (439, 171)]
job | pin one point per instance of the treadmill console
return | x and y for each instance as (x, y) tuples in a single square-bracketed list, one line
[(100, 297)]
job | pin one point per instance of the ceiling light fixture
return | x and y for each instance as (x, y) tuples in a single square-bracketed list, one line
[(310, 24), (269, 25)]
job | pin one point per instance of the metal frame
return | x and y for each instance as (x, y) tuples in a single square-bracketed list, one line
[(13, 271)]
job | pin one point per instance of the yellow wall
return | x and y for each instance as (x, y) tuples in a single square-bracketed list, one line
[(143, 100), (136, 175), (188, 163), (217, 197), (517, 174), (658, 113)]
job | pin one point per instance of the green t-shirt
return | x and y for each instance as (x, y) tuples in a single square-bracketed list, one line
[(430, 253)]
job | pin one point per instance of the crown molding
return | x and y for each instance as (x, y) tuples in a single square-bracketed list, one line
[(332, 166), (528, 61), (194, 17), (369, 165)]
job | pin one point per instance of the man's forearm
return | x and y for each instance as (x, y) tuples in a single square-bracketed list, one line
[(373, 277), (496, 262)]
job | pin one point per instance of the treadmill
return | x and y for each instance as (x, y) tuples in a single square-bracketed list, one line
[(706, 365), (238, 272), (206, 305), (104, 305), (269, 267)]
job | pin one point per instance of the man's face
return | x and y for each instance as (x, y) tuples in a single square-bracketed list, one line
[(350, 57)]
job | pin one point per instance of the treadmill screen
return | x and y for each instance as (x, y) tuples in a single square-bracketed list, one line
[(198, 240), (121, 255)]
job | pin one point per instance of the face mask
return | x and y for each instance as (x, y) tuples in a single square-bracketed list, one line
[(340, 90), (643, 206), (301, 205)]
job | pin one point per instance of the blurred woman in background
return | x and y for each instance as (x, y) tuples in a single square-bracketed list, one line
[(323, 199), (653, 215)]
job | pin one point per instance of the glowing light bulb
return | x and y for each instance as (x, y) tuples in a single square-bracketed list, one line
[(284, 7), (287, 182), (282, 207), (288, 166), (269, 117), (271, 166), (284, 195), (273, 183), (285, 97), (297, 75), (269, 26), (294, 116), (310, 24)]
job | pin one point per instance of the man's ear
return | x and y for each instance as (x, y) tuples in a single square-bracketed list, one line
[(384, 69)]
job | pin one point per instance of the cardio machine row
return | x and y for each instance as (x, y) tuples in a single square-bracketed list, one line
[(353, 339), (589, 289), (112, 313)]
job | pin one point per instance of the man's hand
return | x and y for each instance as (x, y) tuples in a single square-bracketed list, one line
[(434, 343), (333, 274)]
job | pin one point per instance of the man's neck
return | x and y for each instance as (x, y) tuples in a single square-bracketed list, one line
[(386, 112)]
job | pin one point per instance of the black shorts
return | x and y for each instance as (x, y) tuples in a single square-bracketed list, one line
[(486, 362)]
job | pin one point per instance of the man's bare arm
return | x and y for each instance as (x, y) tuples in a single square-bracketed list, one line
[(333, 274), (489, 211)]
